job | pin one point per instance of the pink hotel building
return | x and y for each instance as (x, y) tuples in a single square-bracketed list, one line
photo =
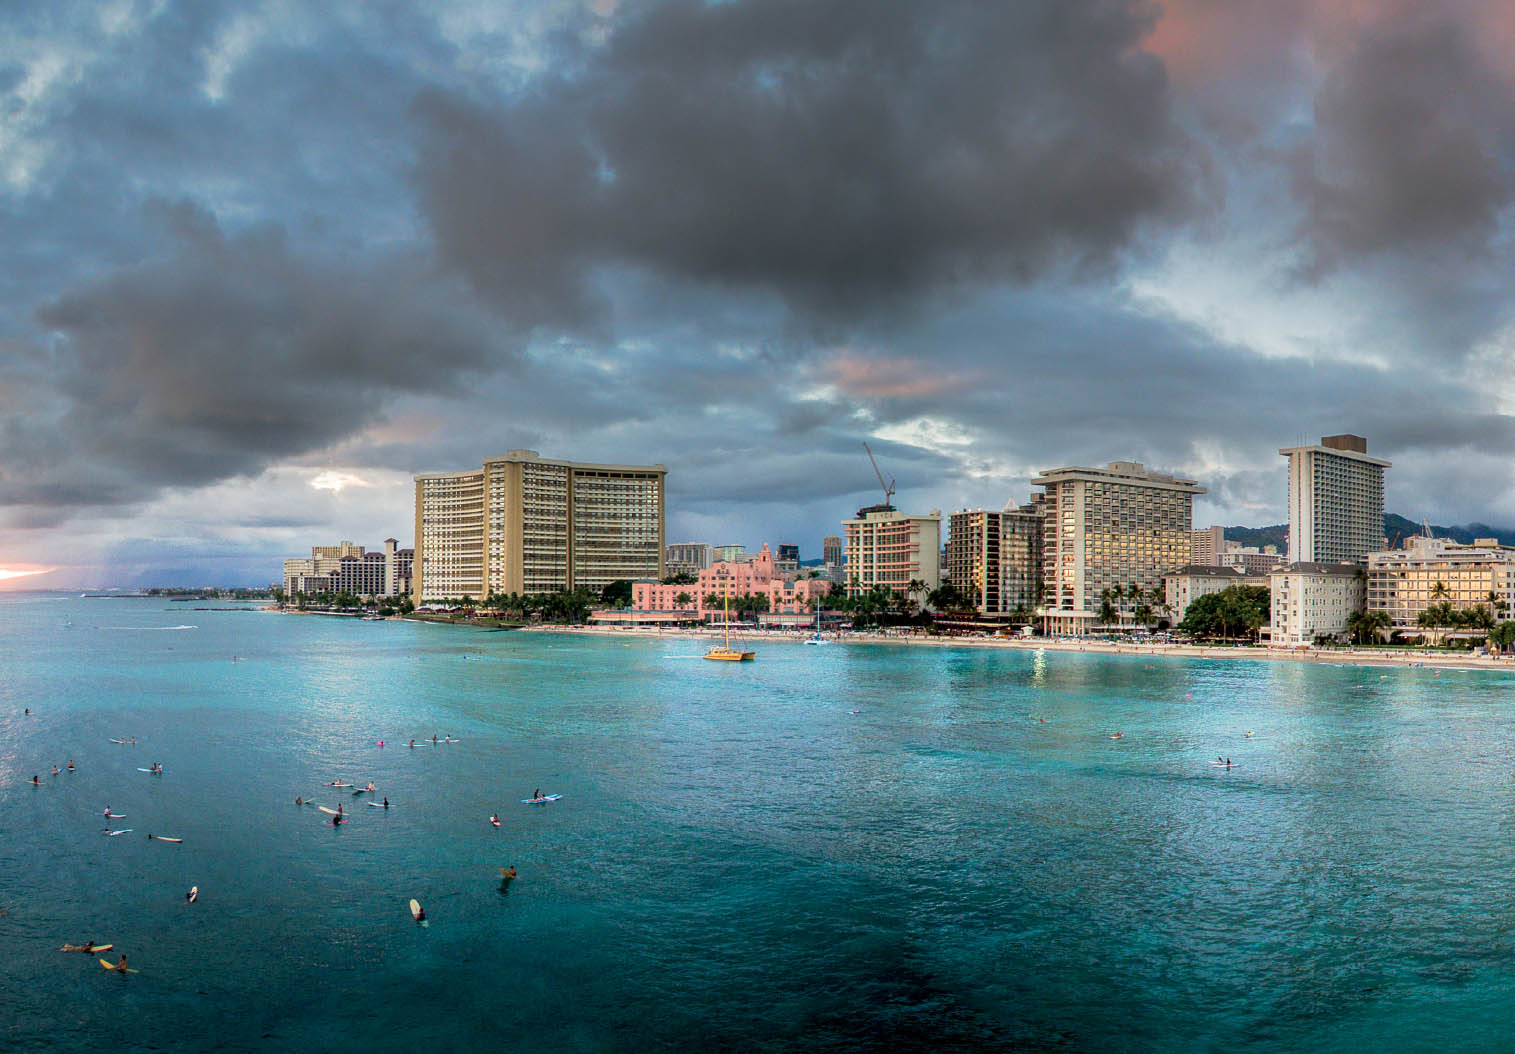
[(756, 576)]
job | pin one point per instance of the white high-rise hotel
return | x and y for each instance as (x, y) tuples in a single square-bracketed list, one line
[(1335, 501)]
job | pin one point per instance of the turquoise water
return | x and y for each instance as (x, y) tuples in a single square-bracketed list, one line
[(839, 848)]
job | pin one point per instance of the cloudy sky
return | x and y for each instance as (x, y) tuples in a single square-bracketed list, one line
[(260, 263)]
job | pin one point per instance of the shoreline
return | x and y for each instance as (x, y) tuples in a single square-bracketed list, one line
[(1326, 656)]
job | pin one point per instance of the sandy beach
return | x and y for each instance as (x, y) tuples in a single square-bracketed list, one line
[(1344, 656)]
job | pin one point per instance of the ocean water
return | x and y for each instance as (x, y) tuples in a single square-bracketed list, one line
[(854, 847)]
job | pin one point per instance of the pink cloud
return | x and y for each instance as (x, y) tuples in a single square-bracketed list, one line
[(876, 377)]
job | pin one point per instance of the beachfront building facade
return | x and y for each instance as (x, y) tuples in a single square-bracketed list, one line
[(350, 568), (1427, 571), (757, 575), (1187, 584), (1313, 601), (1335, 501), (527, 524), (973, 558), (994, 558), (886, 547), (1120, 525)]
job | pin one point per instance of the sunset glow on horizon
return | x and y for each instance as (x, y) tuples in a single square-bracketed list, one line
[(7, 573)]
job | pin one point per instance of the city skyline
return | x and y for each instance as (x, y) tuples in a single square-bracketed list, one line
[(265, 265)]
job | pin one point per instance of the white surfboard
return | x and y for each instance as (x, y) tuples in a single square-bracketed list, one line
[(328, 812), (378, 805), (113, 834), (193, 894), (543, 800), (415, 909)]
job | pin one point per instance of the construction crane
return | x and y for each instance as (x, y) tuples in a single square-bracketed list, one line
[(888, 487)]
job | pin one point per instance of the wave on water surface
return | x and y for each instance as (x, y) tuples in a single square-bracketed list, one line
[(148, 629)]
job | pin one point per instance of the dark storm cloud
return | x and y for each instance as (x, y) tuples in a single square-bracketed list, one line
[(840, 152), (1412, 147), (229, 353), (738, 238)]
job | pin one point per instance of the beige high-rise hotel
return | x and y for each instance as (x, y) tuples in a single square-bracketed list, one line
[(1105, 527), (527, 524)]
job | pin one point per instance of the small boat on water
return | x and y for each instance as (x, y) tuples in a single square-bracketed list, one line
[(725, 653), (816, 638)]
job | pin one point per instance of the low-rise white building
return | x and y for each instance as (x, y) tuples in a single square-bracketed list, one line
[(1312, 600)]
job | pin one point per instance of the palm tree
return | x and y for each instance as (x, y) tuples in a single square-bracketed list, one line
[(682, 600), (1439, 591), (915, 588), (1106, 606)]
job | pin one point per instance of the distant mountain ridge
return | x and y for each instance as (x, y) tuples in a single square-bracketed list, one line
[(1396, 528)]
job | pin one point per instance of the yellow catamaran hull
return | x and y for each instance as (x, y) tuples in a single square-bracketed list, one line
[(729, 655)]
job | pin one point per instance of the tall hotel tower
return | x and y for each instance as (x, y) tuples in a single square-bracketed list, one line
[(1335, 501), (1105, 527), (527, 524)]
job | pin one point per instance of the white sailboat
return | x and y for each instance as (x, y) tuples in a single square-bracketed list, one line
[(816, 638)]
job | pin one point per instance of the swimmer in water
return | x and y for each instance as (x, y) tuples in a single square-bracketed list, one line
[(37, 782)]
